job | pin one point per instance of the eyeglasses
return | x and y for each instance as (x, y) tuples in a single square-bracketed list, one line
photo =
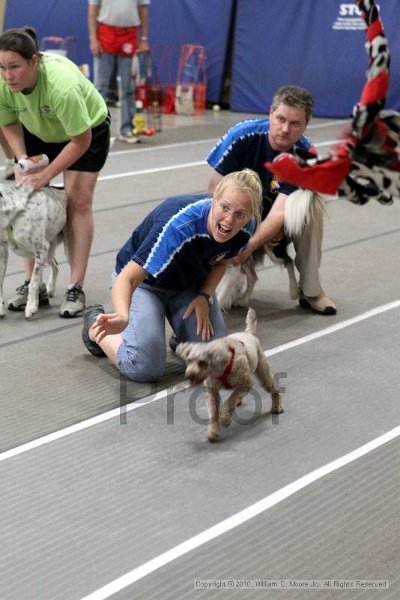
[(238, 215)]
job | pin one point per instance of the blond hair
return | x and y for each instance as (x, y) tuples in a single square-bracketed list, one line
[(247, 181)]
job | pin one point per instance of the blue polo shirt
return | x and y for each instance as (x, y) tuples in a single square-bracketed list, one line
[(173, 245), (246, 145)]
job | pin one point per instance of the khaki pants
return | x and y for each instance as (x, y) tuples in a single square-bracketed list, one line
[(308, 247)]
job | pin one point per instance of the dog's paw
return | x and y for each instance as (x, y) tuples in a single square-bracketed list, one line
[(213, 435), (226, 419), (29, 316), (277, 409), (31, 310), (2, 310)]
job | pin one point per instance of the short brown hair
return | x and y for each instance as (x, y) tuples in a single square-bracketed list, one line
[(295, 96)]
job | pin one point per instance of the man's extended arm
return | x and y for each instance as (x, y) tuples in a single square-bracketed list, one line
[(214, 180)]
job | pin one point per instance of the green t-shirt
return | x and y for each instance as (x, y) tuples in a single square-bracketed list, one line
[(63, 104)]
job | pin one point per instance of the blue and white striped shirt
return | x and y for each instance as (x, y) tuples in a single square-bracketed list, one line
[(173, 244), (246, 145)]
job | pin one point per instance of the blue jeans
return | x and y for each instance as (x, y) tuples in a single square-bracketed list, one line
[(104, 67), (142, 354)]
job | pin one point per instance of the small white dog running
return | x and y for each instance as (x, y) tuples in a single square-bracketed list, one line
[(229, 363), (32, 222)]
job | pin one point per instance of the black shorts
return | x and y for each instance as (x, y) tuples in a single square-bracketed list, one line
[(92, 161)]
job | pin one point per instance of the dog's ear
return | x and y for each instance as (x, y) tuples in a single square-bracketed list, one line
[(183, 349), (217, 355)]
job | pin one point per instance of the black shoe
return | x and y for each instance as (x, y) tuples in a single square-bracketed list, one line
[(320, 304), (89, 317), (173, 342)]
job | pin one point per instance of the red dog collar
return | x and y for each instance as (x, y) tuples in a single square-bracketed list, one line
[(225, 375)]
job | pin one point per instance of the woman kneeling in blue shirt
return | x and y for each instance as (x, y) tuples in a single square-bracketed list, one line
[(170, 268)]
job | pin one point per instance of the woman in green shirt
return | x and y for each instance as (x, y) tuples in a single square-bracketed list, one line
[(47, 106)]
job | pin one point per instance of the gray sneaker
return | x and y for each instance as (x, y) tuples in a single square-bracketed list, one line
[(74, 302), (128, 137), (18, 302)]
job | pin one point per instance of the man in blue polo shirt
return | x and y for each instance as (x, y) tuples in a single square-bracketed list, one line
[(252, 143)]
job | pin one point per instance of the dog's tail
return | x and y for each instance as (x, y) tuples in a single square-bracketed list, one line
[(231, 287), (57, 196), (251, 321), (300, 206), (63, 238)]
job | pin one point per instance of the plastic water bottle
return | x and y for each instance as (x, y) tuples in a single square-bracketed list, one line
[(139, 123), (33, 162)]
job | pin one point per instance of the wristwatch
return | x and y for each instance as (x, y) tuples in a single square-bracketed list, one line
[(206, 296)]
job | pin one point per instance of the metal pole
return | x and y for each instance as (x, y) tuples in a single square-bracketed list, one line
[(3, 6)]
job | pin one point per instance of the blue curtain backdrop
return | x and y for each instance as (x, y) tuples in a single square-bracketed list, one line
[(63, 18), (198, 22), (318, 44), (172, 23)]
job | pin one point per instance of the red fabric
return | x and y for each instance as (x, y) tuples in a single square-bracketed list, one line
[(324, 177), (379, 148), (120, 41), (375, 29), (375, 89)]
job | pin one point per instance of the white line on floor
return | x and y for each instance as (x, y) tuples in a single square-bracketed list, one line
[(238, 519), (178, 166), (209, 142), (333, 328), (328, 124), (52, 437), (155, 170)]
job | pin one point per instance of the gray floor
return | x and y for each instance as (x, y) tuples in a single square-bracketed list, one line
[(110, 489)]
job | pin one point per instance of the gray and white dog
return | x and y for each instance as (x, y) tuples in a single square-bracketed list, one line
[(229, 362), (32, 223), (237, 284)]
